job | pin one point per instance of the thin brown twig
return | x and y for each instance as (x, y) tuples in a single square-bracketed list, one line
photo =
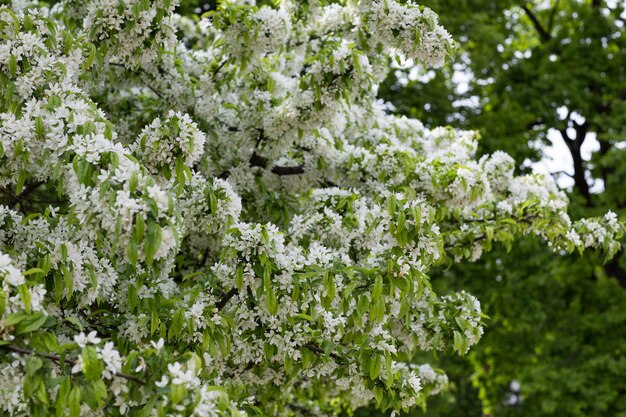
[(57, 359)]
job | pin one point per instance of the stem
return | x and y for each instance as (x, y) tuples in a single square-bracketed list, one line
[(57, 359)]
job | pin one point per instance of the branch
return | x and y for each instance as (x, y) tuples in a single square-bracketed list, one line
[(140, 70), (545, 36), (574, 145), (57, 359), (527, 219), (258, 161), (219, 67), (14, 199), (302, 410), (552, 15), (565, 136), (561, 172), (226, 298), (294, 170), (319, 351)]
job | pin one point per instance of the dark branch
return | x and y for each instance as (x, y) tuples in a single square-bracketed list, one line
[(574, 146), (219, 67), (258, 161), (302, 410), (26, 191), (294, 170), (226, 298), (142, 71), (319, 351), (545, 36)]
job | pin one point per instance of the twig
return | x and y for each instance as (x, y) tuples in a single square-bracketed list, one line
[(219, 67), (480, 237), (545, 36), (57, 359), (140, 70)]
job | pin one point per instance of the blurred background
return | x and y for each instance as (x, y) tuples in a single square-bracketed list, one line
[(543, 81)]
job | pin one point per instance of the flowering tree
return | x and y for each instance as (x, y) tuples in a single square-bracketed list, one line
[(536, 72), (218, 218)]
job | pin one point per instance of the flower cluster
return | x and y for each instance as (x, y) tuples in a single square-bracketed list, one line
[(408, 28), (131, 31), (170, 144)]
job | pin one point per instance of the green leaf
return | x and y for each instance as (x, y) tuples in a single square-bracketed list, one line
[(132, 251), (375, 363), (377, 289), (75, 322), (15, 318), (74, 401), (153, 241), (21, 179), (91, 57), (25, 297), (31, 324), (62, 397), (378, 395), (178, 322), (92, 366), (33, 364), (213, 202), (239, 277), (272, 302), (41, 392), (34, 271), (154, 322), (133, 182), (177, 393), (96, 394), (12, 65)]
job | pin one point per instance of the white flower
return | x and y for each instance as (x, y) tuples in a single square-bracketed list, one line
[(141, 366), (183, 377), (14, 277), (78, 365), (83, 340), (111, 358), (5, 260), (414, 381), (163, 382), (158, 345)]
